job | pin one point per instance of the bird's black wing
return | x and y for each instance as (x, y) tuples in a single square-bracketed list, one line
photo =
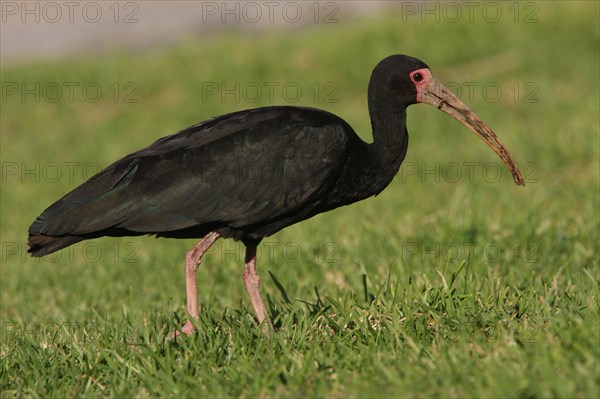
[(238, 169)]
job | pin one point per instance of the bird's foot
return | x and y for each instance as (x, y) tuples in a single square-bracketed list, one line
[(188, 329)]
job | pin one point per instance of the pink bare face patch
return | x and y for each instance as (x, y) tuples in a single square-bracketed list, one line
[(420, 78)]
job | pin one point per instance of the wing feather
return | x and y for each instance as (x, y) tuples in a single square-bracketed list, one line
[(239, 169)]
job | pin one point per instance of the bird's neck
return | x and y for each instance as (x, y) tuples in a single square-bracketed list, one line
[(390, 141), (372, 166)]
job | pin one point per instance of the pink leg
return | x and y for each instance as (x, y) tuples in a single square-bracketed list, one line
[(192, 262), (252, 283)]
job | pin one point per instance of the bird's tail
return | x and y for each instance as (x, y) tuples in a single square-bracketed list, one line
[(41, 244)]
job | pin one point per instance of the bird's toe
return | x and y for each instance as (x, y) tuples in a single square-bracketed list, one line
[(188, 329)]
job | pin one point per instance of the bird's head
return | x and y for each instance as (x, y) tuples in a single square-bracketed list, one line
[(407, 80)]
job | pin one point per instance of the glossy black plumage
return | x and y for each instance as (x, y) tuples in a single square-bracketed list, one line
[(244, 175)]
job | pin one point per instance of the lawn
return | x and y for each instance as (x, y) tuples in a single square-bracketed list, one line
[(453, 282)]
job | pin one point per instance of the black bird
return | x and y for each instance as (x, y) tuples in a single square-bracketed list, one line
[(246, 175)]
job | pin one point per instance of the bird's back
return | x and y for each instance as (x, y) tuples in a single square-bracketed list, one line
[(246, 174)]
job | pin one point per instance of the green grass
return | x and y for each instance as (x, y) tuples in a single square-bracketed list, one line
[(465, 288)]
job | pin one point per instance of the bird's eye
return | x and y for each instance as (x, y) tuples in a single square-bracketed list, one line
[(417, 77)]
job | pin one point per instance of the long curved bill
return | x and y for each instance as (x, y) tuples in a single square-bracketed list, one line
[(434, 93)]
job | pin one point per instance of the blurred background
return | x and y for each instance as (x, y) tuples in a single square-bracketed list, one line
[(53, 30), (85, 83)]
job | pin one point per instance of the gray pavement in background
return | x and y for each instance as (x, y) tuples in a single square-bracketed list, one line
[(55, 29)]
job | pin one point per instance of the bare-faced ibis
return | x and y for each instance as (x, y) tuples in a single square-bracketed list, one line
[(246, 175)]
